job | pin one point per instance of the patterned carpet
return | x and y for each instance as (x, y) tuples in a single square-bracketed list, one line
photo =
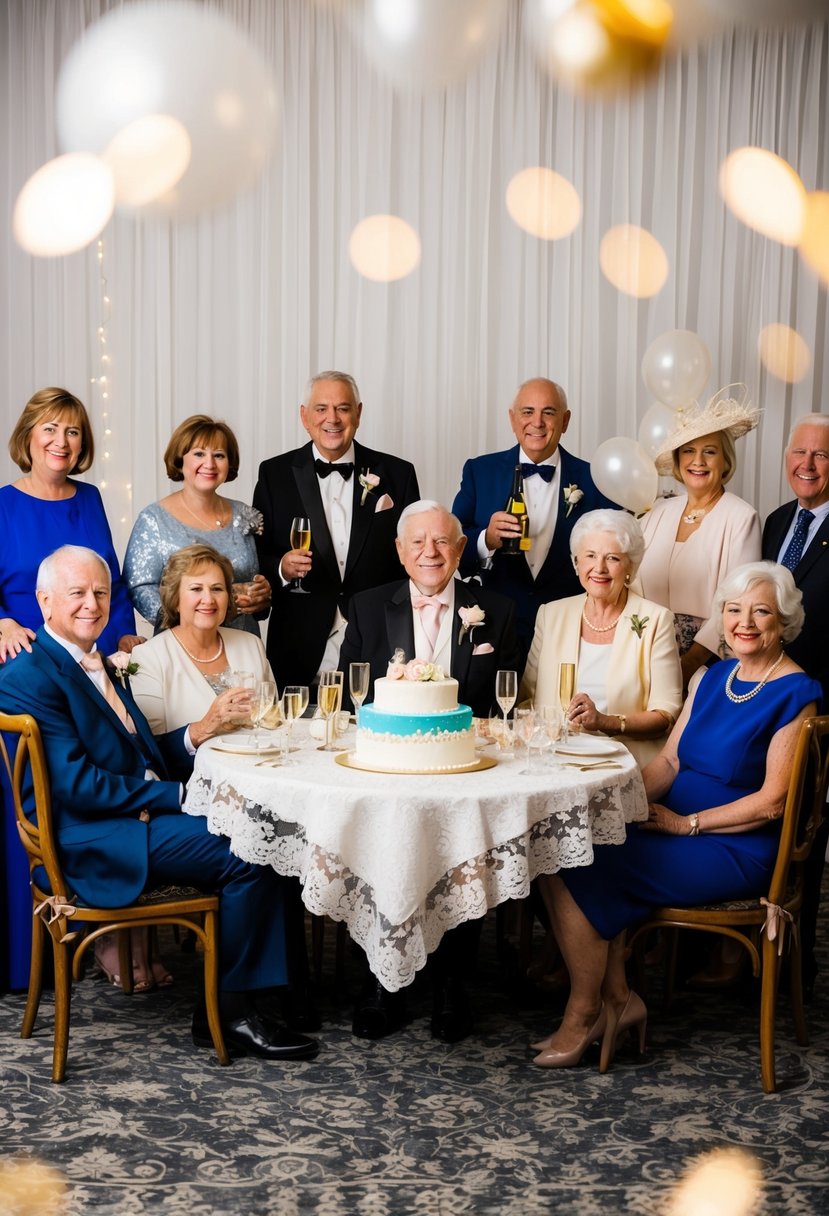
[(145, 1123)]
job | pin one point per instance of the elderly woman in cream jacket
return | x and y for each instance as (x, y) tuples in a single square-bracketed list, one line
[(628, 678)]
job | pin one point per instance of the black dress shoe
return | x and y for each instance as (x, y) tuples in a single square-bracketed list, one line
[(252, 1035), (451, 1018), (378, 1012)]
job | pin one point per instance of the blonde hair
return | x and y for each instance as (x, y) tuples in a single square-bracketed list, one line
[(54, 403)]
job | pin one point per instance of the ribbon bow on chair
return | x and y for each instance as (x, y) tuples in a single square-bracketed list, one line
[(776, 920), (53, 908)]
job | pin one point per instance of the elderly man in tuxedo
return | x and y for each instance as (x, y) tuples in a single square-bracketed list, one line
[(422, 615), (118, 818), (797, 535), (353, 497), (558, 489)]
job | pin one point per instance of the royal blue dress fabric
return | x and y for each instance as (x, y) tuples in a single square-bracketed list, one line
[(31, 529), (722, 757)]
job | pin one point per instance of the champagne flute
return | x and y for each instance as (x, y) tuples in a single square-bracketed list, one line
[(263, 698), (506, 690), (329, 699), (358, 677), (566, 688), (294, 705), (524, 725), (300, 539)]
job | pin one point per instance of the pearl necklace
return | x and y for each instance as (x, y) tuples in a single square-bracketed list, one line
[(739, 697), (212, 658), (599, 628)]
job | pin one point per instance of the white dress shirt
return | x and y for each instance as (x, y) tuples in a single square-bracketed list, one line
[(541, 498)]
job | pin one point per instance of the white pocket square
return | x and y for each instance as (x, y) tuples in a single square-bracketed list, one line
[(384, 503), (484, 648)]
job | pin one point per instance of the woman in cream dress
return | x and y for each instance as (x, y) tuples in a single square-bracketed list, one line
[(180, 683), (693, 540), (627, 669)]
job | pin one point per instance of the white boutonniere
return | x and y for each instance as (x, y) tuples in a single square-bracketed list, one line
[(471, 618), (123, 666), (572, 496), (369, 481), (638, 623)]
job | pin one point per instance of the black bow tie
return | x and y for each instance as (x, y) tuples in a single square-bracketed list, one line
[(545, 471), (345, 469)]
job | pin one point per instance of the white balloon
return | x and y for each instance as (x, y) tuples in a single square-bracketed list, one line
[(64, 205), (185, 61), (659, 422), (426, 44), (624, 472), (676, 367)]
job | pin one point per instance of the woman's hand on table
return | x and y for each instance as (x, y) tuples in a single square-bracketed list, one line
[(660, 819), (229, 710), (13, 639), (254, 596), (582, 712)]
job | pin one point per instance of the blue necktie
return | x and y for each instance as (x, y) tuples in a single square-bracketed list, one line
[(545, 471), (794, 552)]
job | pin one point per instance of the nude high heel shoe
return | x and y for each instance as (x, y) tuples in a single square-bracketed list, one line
[(550, 1058), (634, 1015)]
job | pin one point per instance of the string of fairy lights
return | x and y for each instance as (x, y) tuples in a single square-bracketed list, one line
[(101, 382)]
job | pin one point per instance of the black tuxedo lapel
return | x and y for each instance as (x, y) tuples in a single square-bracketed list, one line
[(361, 516), (309, 491), (400, 622), (461, 649)]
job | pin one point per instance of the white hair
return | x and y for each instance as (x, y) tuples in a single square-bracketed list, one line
[(49, 569), (340, 377), (807, 420), (420, 508), (620, 524), (787, 595)]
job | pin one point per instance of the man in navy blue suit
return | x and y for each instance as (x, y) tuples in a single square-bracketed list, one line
[(558, 489), (797, 534), (118, 818)]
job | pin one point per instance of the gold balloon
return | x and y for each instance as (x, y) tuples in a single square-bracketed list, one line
[(764, 191)]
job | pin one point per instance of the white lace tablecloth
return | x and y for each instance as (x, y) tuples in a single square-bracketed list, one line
[(402, 859)]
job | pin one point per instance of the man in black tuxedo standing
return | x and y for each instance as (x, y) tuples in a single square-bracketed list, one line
[(428, 616), (797, 536), (353, 497)]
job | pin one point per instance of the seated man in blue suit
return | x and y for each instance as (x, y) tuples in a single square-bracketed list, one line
[(118, 819), (558, 489)]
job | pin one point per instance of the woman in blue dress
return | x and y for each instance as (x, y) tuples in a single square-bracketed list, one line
[(714, 793), (42, 510)]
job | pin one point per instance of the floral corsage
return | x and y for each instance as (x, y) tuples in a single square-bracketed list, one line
[(638, 623), (369, 481), (572, 496), (249, 521), (123, 666), (471, 617)]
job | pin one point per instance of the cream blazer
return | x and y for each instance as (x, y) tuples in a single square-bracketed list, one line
[(644, 673), (685, 576), (169, 688)]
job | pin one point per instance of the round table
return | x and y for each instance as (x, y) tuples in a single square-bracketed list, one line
[(403, 859)]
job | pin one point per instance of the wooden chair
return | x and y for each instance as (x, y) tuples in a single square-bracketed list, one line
[(767, 917), (73, 926)]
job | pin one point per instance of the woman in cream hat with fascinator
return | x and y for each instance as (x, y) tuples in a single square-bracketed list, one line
[(693, 540)]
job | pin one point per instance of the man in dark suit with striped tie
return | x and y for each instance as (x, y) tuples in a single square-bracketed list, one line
[(797, 535)]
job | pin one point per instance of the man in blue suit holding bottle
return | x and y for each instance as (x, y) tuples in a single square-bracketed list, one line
[(558, 489), (118, 819)]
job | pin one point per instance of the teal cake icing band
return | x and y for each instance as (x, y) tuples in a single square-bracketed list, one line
[(452, 721)]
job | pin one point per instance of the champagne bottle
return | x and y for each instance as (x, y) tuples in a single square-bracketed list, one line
[(517, 507)]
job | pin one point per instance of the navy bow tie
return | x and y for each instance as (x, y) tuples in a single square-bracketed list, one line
[(324, 469), (545, 471)]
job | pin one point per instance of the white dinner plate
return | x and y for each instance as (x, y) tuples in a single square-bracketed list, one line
[(241, 746), (589, 745)]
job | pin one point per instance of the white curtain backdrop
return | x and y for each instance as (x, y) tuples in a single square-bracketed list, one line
[(231, 313)]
